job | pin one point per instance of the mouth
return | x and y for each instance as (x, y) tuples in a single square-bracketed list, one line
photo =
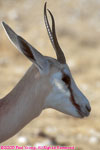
[(85, 112)]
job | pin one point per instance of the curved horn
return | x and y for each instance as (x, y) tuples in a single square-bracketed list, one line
[(53, 37)]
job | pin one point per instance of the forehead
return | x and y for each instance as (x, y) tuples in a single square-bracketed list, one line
[(58, 67)]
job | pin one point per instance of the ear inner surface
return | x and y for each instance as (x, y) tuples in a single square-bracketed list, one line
[(24, 47)]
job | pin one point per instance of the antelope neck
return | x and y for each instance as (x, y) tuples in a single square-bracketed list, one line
[(22, 104)]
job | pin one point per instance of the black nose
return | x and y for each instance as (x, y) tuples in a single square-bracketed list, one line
[(88, 108)]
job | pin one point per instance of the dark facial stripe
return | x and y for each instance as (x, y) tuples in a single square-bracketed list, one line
[(67, 80)]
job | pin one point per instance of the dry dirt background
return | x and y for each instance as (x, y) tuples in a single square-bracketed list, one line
[(78, 29)]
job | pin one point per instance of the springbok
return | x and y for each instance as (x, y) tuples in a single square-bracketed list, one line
[(47, 84)]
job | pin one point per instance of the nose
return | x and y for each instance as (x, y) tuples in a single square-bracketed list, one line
[(88, 108), (86, 111)]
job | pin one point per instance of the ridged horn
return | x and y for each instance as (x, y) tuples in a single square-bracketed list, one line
[(53, 37)]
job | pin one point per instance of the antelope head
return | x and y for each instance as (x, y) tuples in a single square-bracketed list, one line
[(63, 95)]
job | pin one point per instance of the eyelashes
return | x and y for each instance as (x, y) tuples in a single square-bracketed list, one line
[(66, 79)]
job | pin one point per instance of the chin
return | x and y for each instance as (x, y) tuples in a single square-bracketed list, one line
[(75, 115)]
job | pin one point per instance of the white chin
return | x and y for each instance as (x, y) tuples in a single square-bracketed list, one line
[(74, 114), (77, 116)]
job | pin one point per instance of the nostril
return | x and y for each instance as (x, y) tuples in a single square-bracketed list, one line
[(88, 108)]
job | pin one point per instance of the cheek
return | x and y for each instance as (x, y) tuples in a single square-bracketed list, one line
[(58, 97), (62, 103)]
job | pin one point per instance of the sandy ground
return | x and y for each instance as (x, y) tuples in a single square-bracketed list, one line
[(78, 29)]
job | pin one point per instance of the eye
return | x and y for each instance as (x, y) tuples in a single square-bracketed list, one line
[(66, 79)]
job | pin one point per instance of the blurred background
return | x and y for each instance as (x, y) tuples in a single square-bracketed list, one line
[(78, 31)]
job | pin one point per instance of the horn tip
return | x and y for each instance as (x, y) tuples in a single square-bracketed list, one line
[(3, 23), (45, 4)]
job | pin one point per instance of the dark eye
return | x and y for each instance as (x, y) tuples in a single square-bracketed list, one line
[(66, 79)]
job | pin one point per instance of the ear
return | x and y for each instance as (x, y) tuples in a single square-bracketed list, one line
[(24, 47)]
